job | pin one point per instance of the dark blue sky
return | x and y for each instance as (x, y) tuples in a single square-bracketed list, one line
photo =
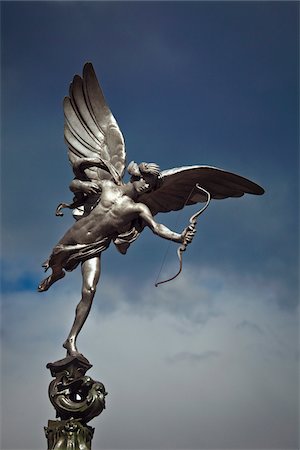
[(213, 83), (203, 82)]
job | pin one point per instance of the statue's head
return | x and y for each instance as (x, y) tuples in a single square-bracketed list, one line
[(144, 176)]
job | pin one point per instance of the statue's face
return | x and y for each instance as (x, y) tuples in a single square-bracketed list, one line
[(144, 184)]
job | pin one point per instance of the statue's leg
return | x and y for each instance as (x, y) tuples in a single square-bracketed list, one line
[(57, 274), (90, 276)]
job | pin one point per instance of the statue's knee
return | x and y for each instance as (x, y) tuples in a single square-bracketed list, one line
[(88, 291)]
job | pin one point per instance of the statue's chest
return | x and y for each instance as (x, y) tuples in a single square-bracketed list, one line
[(111, 197)]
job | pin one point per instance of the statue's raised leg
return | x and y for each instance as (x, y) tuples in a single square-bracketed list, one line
[(57, 274)]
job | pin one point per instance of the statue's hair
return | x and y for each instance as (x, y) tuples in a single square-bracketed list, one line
[(143, 168), (133, 169), (149, 168)]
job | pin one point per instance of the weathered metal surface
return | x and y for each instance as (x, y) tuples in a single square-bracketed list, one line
[(106, 208)]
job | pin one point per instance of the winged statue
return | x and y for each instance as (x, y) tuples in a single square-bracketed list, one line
[(108, 209)]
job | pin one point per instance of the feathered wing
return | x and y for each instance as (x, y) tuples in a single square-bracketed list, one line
[(91, 131), (177, 187)]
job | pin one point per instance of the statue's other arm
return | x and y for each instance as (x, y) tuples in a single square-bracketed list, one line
[(79, 188), (86, 187)]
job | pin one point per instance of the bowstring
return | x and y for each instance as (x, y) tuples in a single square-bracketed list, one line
[(180, 212)]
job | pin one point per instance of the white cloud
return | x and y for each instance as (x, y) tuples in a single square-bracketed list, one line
[(227, 386)]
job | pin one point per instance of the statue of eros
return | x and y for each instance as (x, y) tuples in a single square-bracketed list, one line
[(108, 209)]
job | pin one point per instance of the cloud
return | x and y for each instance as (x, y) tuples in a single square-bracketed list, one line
[(192, 358), (252, 327), (182, 364)]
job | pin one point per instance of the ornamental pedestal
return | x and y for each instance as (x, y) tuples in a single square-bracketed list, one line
[(77, 399)]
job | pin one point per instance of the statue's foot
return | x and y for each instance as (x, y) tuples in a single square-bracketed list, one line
[(47, 282), (44, 285), (71, 348)]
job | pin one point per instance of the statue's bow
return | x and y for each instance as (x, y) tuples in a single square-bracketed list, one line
[(183, 246)]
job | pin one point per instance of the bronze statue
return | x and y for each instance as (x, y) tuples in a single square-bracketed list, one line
[(106, 208)]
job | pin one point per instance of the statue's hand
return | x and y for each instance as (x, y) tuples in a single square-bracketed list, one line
[(188, 234)]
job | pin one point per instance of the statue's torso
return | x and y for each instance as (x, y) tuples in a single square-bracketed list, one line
[(111, 216)]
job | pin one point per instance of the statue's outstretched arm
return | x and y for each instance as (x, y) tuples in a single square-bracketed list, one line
[(161, 230)]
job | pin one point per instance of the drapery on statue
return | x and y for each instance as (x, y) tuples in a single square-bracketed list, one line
[(108, 209)]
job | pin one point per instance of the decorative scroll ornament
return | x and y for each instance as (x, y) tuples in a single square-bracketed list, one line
[(73, 394), (183, 246)]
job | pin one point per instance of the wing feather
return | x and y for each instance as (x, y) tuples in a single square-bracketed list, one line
[(177, 187), (90, 128), (82, 111), (78, 127), (76, 146), (102, 114)]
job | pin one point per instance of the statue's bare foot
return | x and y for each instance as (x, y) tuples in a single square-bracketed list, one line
[(47, 282), (71, 348)]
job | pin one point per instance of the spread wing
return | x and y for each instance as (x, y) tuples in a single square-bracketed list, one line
[(177, 187), (91, 131)]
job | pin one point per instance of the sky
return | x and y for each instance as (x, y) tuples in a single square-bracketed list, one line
[(210, 360)]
